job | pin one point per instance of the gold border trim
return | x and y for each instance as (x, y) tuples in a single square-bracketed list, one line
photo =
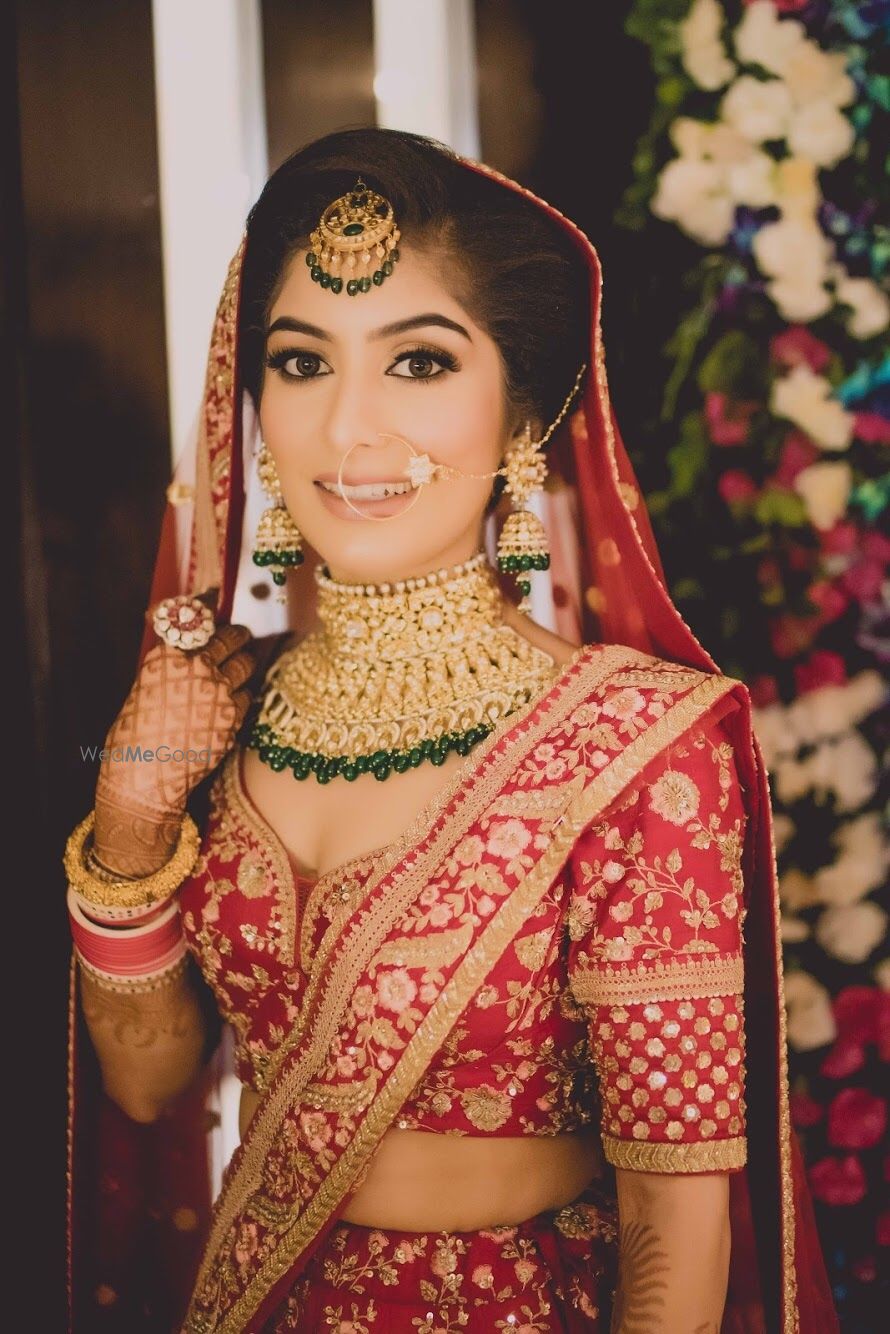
[(679, 979), (446, 1010), (718, 1155)]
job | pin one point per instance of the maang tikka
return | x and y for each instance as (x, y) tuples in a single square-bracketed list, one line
[(356, 241)]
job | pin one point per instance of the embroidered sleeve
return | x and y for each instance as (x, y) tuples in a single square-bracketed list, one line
[(655, 960)]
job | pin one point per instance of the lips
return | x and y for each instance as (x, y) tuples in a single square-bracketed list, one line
[(367, 490)]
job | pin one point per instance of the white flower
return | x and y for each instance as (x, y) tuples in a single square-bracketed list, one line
[(871, 306), (691, 192), (820, 132), (798, 299), (805, 398), (811, 1020), (703, 54), (847, 769), (817, 715), (832, 710), (753, 180), (758, 110), (814, 75), (825, 489), (773, 732), (798, 186), (850, 934), (762, 38), (708, 65), (793, 929), (783, 830), (861, 866), (797, 890), (882, 974)]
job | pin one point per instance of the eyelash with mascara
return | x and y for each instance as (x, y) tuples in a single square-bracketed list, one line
[(277, 360)]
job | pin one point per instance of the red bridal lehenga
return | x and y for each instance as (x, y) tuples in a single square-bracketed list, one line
[(582, 929)]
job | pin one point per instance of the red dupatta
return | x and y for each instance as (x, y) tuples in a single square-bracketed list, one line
[(777, 1280)]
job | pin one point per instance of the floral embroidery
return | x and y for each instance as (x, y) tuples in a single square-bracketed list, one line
[(656, 924), (675, 797)]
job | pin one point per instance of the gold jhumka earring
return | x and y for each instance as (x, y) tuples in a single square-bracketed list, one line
[(278, 541), (522, 544)]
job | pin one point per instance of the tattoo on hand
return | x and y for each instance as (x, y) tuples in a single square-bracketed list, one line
[(642, 1279), (138, 1021)]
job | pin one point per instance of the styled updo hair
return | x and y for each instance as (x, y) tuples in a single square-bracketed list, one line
[(511, 268)]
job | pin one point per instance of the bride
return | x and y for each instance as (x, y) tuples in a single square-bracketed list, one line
[(490, 908)]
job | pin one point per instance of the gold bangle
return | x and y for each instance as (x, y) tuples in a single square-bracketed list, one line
[(103, 873), (125, 893)]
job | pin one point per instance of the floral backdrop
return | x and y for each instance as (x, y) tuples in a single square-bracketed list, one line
[(767, 149)]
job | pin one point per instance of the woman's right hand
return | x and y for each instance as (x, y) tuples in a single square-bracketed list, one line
[(183, 713)]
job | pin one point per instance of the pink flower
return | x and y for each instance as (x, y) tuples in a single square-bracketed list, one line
[(483, 1276), (396, 990), (440, 914), (844, 1058), (736, 487), (791, 635), (831, 600), (508, 839), (729, 419), (469, 850), (838, 1180), (864, 579), (840, 539), (805, 1111), (796, 346), (625, 703), (316, 1129), (821, 668), (857, 1119), (798, 452), (857, 1013), (246, 1244), (485, 905), (872, 429), (764, 690)]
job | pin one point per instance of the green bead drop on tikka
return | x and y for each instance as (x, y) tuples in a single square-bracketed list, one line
[(336, 284), (380, 762)]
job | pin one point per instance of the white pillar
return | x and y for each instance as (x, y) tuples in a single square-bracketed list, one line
[(212, 163), (425, 70)]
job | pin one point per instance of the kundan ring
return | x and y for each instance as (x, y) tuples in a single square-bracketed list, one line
[(183, 622)]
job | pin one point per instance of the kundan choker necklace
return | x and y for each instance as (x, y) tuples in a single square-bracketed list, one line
[(398, 674)]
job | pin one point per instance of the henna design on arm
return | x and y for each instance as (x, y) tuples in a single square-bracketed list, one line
[(642, 1278)]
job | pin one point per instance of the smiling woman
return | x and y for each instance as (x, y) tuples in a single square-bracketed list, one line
[(470, 894), (494, 331)]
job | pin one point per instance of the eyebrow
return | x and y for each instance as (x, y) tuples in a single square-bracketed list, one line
[(387, 331)]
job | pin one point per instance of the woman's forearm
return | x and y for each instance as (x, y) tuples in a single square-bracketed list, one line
[(674, 1242), (150, 1045)]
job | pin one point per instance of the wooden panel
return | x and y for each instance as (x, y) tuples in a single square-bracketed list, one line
[(319, 66)]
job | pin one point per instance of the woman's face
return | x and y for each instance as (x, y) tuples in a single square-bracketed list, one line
[(404, 359)]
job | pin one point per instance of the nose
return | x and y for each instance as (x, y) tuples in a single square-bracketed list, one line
[(350, 417)]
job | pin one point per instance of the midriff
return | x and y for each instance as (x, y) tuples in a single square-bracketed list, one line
[(418, 1181)]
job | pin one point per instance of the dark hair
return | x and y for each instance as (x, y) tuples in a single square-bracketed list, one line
[(517, 274)]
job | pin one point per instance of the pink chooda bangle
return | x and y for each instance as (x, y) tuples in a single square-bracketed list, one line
[(138, 955)]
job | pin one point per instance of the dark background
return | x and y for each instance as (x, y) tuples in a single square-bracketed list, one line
[(87, 445)]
